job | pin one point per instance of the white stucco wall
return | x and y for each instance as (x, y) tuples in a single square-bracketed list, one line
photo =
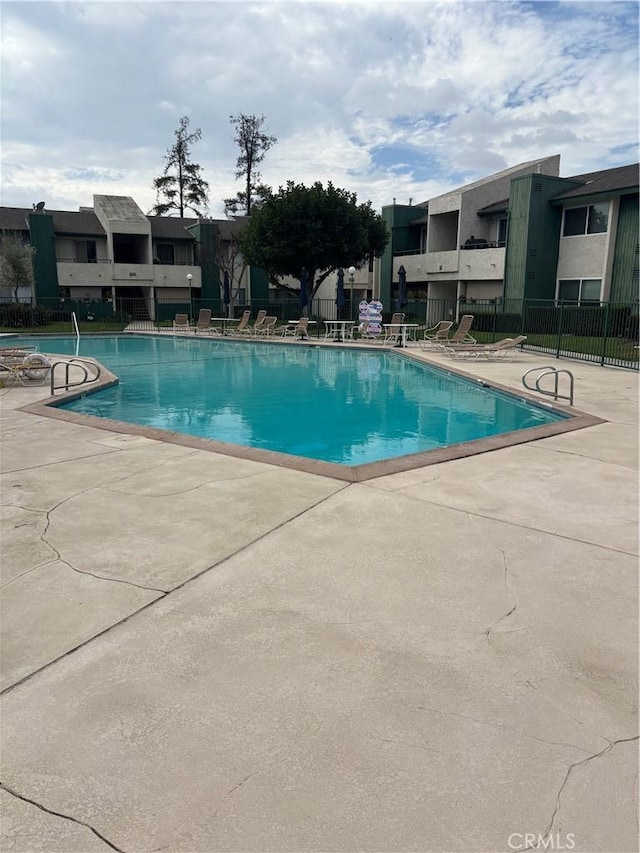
[(165, 275), (79, 275)]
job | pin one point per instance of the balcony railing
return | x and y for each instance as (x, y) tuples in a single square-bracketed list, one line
[(485, 244), (83, 261)]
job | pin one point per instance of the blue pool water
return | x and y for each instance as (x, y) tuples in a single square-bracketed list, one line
[(324, 403)]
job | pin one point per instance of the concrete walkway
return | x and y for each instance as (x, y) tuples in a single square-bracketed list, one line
[(202, 653)]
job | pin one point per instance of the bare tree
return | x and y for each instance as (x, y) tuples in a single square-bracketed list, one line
[(181, 185), (229, 259), (16, 264), (253, 143)]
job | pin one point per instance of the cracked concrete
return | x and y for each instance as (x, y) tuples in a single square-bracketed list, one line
[(203, 653)]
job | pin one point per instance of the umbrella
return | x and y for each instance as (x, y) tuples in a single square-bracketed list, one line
[(340, 298), (402, 288), (226, 295), (304, 281)]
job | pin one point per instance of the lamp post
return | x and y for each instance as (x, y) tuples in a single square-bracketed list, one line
[(189, 280), (352, 272)]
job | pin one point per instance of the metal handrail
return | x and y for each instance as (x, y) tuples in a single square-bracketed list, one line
[(548, 370), (80, 363)]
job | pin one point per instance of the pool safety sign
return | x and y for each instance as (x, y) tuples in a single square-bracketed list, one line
[(370, 316)]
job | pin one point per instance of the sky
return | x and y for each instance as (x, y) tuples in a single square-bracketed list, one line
[(392, 100)]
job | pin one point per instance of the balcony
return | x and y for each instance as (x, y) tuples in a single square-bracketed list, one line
[(477, 263), (72, 273), (132, 272), (484, 264)]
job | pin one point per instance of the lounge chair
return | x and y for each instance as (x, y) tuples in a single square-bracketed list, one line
[(250, 330), (436, 335), (203, 323), (243, 324), (300, 330), (492, 352), (181, 323), (461, 336), (27, 368), (267, 327), (393, 332)]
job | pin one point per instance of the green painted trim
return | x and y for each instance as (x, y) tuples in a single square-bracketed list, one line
[(625, 275), (533, 243), (593, 198), (45, 268)]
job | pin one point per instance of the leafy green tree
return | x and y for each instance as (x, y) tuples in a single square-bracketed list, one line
[(318, 228), (16, 264), (253, 143), (181, 186)]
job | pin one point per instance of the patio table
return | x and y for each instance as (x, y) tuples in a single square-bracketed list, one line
[(223, 322), (295, 323), (337, 329), (403, 331)]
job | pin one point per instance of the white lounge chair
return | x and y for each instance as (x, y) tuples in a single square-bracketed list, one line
[(203, 323), (181, 323), (491, 352), (300, 330), (251, 330), (461, 335), (436, 335), (27, 368), (243, 324), (267, 327), (393, 332)]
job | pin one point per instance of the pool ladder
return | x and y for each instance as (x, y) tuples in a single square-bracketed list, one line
[(550, 371), (79, 364)]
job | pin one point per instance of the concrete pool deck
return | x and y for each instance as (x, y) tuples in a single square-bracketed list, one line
[(205, 653)]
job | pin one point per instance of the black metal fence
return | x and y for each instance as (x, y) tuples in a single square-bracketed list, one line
[(606, 333)]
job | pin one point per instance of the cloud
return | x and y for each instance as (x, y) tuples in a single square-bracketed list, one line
[(389, 100)]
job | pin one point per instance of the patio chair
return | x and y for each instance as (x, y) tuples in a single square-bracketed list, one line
[(300, 330), (393, 332), (267, 327), (251, 330), (368, 331), (181, 323), (436, 335), (27, 368), (492, 352), (243, 324), (203, 323), (461, 335)]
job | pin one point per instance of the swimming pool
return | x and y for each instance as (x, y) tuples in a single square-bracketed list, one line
[(322, 403)]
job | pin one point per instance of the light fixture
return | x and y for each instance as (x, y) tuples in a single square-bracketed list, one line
[(352, 272), (189, 280)]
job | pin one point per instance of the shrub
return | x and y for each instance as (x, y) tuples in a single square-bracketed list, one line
[(16, 315), (498, 322)]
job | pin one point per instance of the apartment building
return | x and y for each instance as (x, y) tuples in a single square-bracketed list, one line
[(524, 232), (113, 252)]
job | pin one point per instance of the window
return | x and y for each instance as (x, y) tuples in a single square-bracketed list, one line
[(165, 253), (174, 254), (586, 220), (579, 291), (502, 233), (86, 252)]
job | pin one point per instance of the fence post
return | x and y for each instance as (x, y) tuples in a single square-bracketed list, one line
[(523, 311), (605, 337), (559, 340)]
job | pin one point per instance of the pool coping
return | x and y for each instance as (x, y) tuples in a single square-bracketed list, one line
[(573, 419)]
